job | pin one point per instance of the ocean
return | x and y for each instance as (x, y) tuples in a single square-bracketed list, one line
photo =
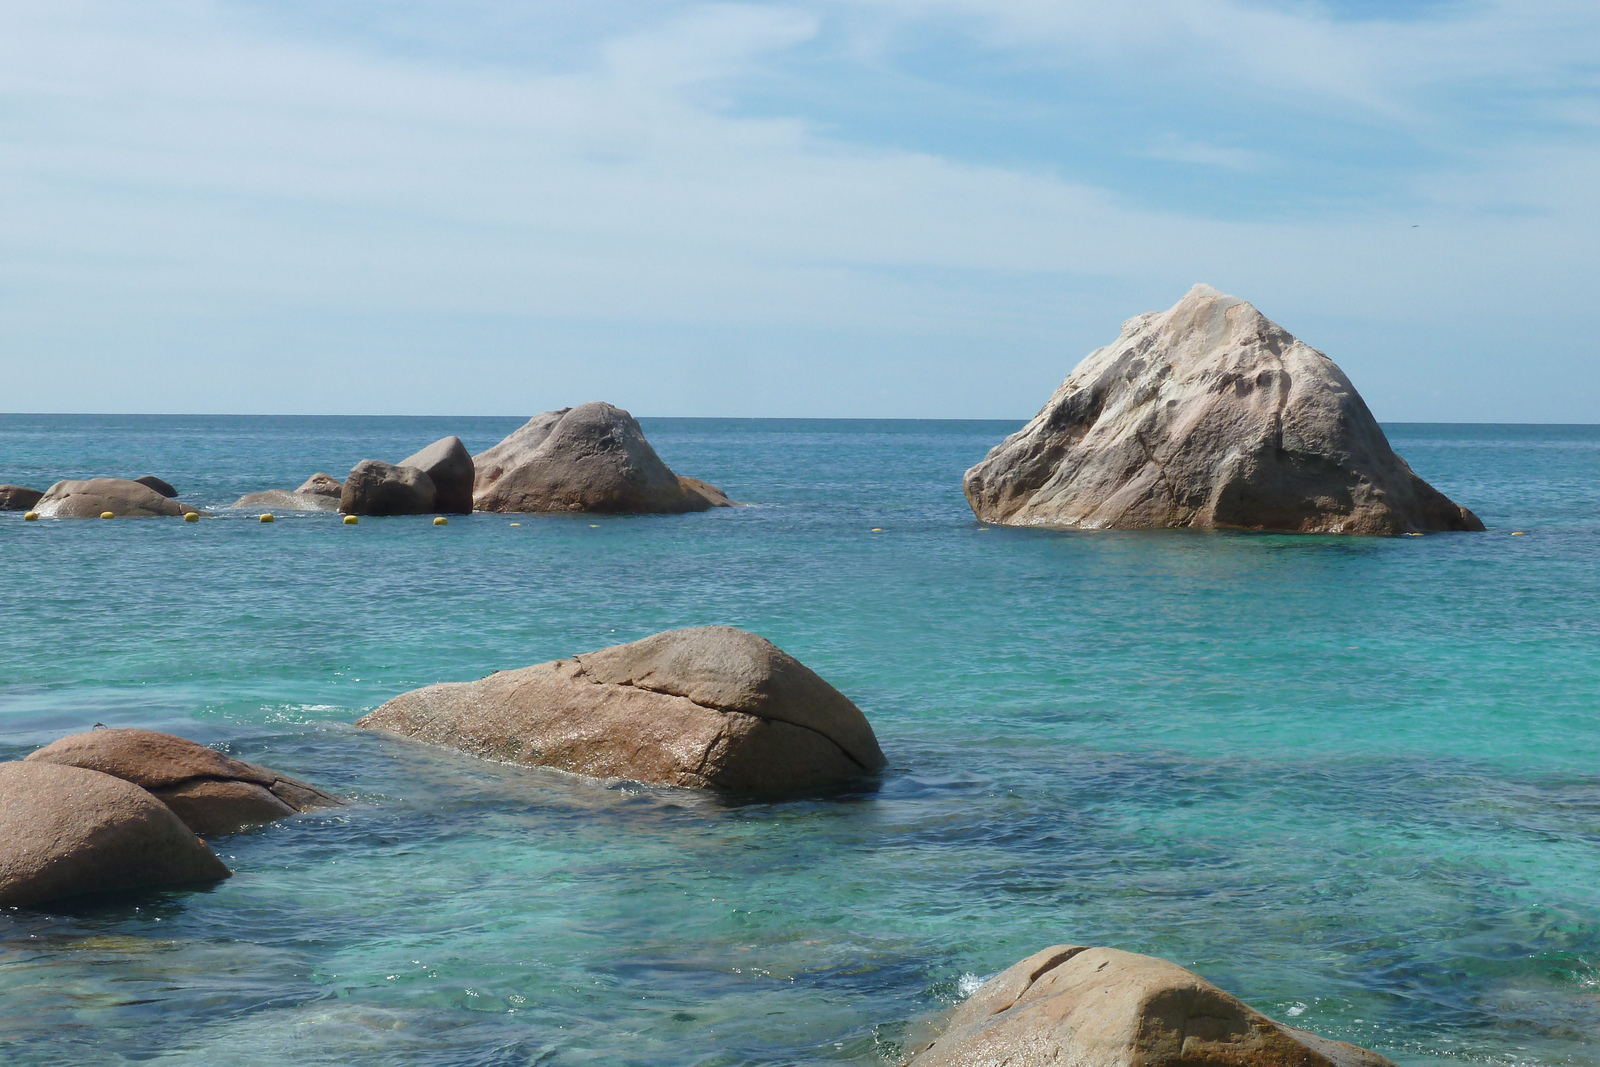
[(1355, 781)]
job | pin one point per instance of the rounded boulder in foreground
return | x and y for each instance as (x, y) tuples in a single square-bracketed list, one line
[(1101, 1007), (66, 831), (212, 793), (708, 707)]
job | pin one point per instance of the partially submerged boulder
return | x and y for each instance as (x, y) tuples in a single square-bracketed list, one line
[(1208, 415), (449, 465), (123, 497), (18, 498), (212, 793), (160, 485), (66, 831), (1100, 1007), (706, 707), (284, 500), (320, 492), (593, 457), (378, 488)]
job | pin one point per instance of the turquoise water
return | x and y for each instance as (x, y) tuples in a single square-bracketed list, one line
[(1355, 781)]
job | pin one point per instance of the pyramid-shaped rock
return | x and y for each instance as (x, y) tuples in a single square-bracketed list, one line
[(1208, 416)]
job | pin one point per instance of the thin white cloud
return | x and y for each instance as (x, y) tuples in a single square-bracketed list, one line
[(168, 164)]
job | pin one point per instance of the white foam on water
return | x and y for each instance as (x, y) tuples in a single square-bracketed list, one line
[(970, 983)]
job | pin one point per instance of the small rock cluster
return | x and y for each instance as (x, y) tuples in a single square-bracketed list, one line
[(124, 809)]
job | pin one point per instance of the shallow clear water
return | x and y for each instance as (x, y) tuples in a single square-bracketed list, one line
[(1355, 781)]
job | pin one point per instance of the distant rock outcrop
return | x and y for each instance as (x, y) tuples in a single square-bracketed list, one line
[(212, 793), (448, 463), (65, 831), (1100, 1007), (89, 498), (18, 498), (1207, 415), (593, 457), (378, 488), (160, 485), (707, 707)]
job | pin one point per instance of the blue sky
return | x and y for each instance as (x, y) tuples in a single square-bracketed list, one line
[(875, 208)]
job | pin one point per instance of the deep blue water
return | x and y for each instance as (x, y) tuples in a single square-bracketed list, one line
[(1355, 781)]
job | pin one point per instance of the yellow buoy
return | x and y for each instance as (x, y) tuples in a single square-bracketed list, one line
[(107, 515), (877, 529), (267, 517), (191, 516), (516, 524), (350, 520), (440, 520), (1518, 533), (32, 516), (594, 526)]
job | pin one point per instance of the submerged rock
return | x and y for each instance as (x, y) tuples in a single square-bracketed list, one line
[(378, 488), (284, 500), (707, 707), (1100, 1007), (122, 497), (65, 831), (593, 457), (1207, 415), (18, 498), (212, 793), (449, 465), (160, 485)]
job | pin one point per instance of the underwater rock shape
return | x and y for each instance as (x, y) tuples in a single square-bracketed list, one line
[(65, 831), (212, 793), (1101, 1007), (284, 500), (378, 488), (707, 707), (1208, 416), (593, 457), (123, 497), (18, 498), (448, 463)]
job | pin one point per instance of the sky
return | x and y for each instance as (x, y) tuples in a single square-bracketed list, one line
[(873, 208)]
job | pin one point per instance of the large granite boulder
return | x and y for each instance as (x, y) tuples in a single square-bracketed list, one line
[(123, 497), (1100, 1007), (160, 485), (18, 498), (707, 707), (448, 463), (593, 457), (1208, 416), (378, 488), (212, 793), (66, 831)]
